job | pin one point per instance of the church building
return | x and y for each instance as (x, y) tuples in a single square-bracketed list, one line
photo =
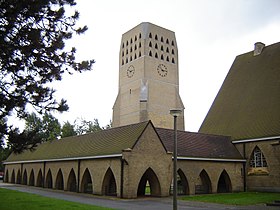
[(134, 158)]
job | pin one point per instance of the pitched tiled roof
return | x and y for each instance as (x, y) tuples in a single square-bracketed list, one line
[(106, 142), (248, 103), (199, 145)]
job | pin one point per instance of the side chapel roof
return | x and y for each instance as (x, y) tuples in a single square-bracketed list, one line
[(198, 145)]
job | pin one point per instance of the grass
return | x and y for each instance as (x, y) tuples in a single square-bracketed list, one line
[(243, 198), (15, 200)]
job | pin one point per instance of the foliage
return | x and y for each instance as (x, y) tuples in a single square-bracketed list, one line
[(243, 198), (32, 39), (4, 153), (83, 126), (68, 130), (14, 200)]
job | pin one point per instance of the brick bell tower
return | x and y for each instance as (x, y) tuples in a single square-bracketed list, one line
[(148, 78)]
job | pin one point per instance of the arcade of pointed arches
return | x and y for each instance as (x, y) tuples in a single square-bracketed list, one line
[(148, 185)]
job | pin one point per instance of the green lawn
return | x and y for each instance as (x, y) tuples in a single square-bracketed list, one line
[(243, 198), (15, 200)]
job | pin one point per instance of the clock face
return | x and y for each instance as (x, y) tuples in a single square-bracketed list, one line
[(130, 71), (162, 70)]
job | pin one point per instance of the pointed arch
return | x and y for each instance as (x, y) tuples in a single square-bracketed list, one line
[(109, 186), (167, 50), (59, 182), (18, 181), (173, 61), (257, 158), (139, 54), (257, 163), (156, 55), (167, 58), (140, 35), (167, 41), (135, 38), (150, 35), (86, 184), (150, 53), (24, 178), (150, 44), (161, 39), (156, 37), (40, 181), (161, 57), (49, 180), (182, 183), (31, 178), (135, 56), (71, 182), (205, 186), (156, 46), (161, 48), (13, 177), (224, 183), (6, 178), (149, 184), (172, 42)]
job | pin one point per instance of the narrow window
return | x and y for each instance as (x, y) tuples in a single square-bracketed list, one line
[(130, 49), (135, 39), (156, 46), (161, 57), (161, 39), (173, 61), (135, 56), (156, 55), (167, 41), (126, 43), (139, 53), (150, 44), (150, 35), (139, 44), (167, 50), (122, 53), (167, 58), (130, 58), (172, 43), (122, 62), (140, 35), (131, 41), (161, 48), (150, 53), (122, 45), (135, 47), (172, 52), (126, 60), (126, 51), (156, 38)]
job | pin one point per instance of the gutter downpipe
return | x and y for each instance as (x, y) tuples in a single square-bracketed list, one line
[(79, 171), (244, 169)]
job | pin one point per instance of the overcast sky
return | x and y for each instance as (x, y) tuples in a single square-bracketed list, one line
[(209, 33)]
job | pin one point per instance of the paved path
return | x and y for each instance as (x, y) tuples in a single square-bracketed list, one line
[(128, 204)]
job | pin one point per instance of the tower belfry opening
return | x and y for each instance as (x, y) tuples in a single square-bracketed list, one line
[(148, 83)]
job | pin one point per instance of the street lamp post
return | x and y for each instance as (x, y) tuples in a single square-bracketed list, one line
[(175, 113)]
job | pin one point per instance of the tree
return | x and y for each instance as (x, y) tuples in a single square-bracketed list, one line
[(83, 126), (68, 130), (32, 55)]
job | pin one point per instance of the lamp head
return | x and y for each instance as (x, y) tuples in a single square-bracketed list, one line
[(176, 112)]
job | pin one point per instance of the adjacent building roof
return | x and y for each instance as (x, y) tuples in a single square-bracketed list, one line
[(248, 103), (197, 145), (102, 143)]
